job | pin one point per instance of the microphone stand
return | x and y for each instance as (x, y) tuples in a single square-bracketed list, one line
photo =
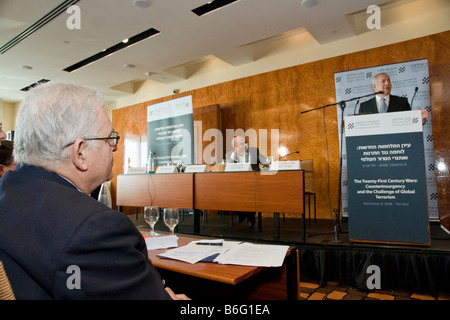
[(290, 154), (337, 212)]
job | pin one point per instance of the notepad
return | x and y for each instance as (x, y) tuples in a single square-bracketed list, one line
[(162, 242), (193, 253), (257, 255), (229, 252)]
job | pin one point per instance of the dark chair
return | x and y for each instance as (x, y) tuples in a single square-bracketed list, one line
[(307, 166)]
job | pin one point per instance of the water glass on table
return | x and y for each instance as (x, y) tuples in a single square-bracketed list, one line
[(151, 216), (171, 218)]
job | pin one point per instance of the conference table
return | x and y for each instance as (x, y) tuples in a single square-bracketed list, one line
[(261, 192), (213, 281)]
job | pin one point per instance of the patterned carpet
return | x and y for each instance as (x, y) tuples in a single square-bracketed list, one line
[(333, 291)]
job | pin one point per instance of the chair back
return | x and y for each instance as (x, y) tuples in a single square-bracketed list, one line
[(307, 165), (6, 292)]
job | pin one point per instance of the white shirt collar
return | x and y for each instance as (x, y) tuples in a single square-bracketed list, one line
[(378, 99)]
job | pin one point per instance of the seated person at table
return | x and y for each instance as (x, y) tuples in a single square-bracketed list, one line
[(57, 242), (241, 153), (6, 156)]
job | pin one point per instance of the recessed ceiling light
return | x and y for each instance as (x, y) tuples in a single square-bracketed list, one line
[(129, 66), (35, 84), (27, 67), (309, 3), (141, 3), (211, 6), (117, 47)]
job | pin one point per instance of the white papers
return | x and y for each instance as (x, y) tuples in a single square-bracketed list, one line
[(162, 242), (230, 252), (259, 255), (194, 252)]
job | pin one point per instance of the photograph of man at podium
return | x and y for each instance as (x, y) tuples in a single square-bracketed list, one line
[(242, 153), (385, 102)]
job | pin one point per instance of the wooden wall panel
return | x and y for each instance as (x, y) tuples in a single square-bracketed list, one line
[(127, 121), (275, 99)]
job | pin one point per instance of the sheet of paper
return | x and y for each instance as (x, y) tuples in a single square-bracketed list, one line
[(194, 252), (258, 255), (162, 242)]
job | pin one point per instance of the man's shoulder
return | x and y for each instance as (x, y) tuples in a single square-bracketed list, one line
[(394, 97), (371, 100), (399, 103)]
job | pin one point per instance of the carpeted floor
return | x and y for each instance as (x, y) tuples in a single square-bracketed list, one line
[(317, 232), (311, 290)]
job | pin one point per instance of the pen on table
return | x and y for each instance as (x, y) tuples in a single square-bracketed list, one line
[(209, 243)]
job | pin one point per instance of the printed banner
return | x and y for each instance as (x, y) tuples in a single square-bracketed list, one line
[(170, 132), (405, 77), (387, 196)]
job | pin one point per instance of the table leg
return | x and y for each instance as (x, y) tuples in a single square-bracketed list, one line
[(197, 214), (276, 226)]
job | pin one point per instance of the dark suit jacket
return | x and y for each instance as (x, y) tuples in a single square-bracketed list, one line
[(395, 104), (47, 225), (252, 155)]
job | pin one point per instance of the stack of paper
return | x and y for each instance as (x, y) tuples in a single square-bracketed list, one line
[(230, 252), (259, 255), (163, 242), (196, 251)]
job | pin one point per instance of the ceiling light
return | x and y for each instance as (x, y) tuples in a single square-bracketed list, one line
[(309, 3), (117, 47), (35, 84), (141, 3), (129, 66), (26, 68), (211, 6)]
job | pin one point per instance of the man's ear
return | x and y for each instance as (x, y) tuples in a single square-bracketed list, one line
[(79, 154), (2, 169)]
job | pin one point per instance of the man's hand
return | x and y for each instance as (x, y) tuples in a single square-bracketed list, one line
[(177, 296)]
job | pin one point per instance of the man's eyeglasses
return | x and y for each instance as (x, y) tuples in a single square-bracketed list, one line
[(114, 137)]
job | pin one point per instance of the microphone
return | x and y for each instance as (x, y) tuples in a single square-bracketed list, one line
[(415, 91), (379, 92), (289, 154)]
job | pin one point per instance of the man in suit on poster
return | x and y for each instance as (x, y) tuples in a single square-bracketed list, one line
[(385, 102)]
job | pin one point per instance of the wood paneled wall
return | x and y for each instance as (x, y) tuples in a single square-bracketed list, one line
[(275, 99)]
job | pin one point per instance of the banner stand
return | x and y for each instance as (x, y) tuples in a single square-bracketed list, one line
[(387, 192)]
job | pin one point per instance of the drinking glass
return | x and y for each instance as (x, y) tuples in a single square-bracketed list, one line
[(151, 216), (171, 217)]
